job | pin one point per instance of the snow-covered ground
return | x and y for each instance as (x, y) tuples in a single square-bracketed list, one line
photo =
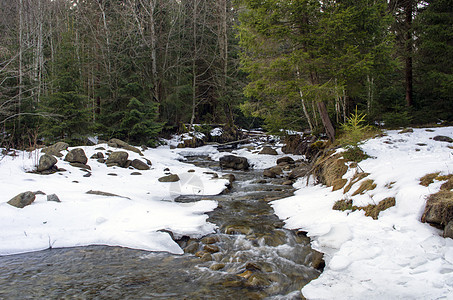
[(396, 256), (133, 220)]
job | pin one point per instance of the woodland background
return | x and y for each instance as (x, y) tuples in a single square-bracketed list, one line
[(134, 69)]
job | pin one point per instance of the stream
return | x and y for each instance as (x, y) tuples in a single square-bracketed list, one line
[(250, 256)]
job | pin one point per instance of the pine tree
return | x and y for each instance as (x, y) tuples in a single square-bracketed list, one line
[(70, 116)]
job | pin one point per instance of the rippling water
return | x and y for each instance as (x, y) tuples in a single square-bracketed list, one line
[(250, 257)]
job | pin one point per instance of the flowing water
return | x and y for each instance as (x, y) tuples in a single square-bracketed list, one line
[(249, 257)]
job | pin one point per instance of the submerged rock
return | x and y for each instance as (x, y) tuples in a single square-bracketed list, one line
[(22, 200), (268, 150), (234, 162)]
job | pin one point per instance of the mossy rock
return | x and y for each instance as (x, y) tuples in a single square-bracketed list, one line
[(330, 169), (439, 208), (367, 185)]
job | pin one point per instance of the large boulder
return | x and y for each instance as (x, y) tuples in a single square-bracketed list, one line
[(76, 155), (439, 209), (46, 162), (117, 143), (272, 172), (268, 150), (139, 165), (234, 162), (285, 160), (298, 172), (117, 158), (22, 200), (55, 149)]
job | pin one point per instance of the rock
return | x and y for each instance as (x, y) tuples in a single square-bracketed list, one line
[(97, 155), (169, 178), (112, 174), (448, 230), (22, 200), (211, 248), (268, 150), (191, 143), (208, 240), (118, 158), (191, 171), (80, 165), (272, 172), (76, 155), (55, 149), (139, 165), (46, 162), (231, 178), (285, 159), (53, 198), (439, 209), (87, 175), (234, 162), (407, 130), (216, 267), (117, 143), (298, 172), (287, 182), (442, 138)]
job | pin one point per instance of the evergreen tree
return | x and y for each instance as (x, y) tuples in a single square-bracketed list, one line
[(434, 61), (70, 115)]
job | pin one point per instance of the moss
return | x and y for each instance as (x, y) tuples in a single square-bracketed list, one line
[(357, 177), (447, 186), (367, 185), (373, 211), (343, 205), (355, 154), (428, 178)]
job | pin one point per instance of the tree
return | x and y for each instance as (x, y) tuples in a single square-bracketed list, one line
[(311, 52), (71, 115), (434, 60)]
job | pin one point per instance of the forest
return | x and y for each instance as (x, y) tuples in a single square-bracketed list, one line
[(137, 69)]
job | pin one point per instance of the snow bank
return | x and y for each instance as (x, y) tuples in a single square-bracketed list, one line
[(396, 256), (134, 219)]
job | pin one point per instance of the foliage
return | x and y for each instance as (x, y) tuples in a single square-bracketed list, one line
[(70, 119), (354, 131)]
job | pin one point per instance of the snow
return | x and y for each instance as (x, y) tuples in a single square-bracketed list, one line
[(136, 218), (396, 256)]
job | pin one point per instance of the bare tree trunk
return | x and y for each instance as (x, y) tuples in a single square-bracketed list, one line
[(408, 70), (330, 131), (302, 100), (194, 58), (21, 19)]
